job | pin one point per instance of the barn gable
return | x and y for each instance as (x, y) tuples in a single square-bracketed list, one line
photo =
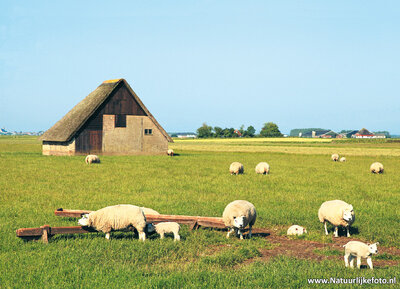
[(113, 105)]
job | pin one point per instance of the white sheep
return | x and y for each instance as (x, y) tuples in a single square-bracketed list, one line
[(262, 168), (170, 152), (356, 249), (338, 213), (148, 211), (335, 157), (376, 168), (168, 227), (342, 159), (119, 217), (236, 168), (92, 159), (237, 215), (296, 230)]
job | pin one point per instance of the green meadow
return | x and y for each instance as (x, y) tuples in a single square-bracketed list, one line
[(196, 182)]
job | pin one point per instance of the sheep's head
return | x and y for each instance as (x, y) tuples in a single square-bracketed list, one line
[(239, 222), (150, 228), (84, 221), (348, 214), (373, 249)]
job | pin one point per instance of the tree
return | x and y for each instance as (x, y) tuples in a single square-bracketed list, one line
[(218, 131), (250, 131), (270, 129), (204, 131), (241, 130)]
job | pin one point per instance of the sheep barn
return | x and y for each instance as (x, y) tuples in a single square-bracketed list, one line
[(110, 120)]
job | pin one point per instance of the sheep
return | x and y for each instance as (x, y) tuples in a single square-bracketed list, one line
[(338, 213), (92, 159), (296, 230), (335, 157), (262, 168), (168, 227), (118, 217), (170, 152), (376, 168), (148, 211), (237, 215), (356, 249), (342, 159), (236, 168)]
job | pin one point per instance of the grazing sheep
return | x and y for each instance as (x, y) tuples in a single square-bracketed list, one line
[(335, 157), (168, 227), (148, 211), (262, 168), (296, 230), (92, 159), (237, 215), (342, 159), (376, 168), (236, 168), (119, 217), (170, 152), (356, 249), (338, 213)]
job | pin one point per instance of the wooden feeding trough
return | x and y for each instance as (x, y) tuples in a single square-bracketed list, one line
[(45, 232)]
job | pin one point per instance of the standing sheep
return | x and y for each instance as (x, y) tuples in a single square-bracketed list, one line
[(356, 249), (236, 168), (296, 230), (148, 211), (237, 215), (168, 227), (262, 168), (342, 159), (335, 157), (92, 159), (115, 218), (338, 213), (376, 168), (170, 152)]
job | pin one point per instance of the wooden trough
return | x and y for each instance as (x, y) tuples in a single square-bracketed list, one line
[(45, 232)]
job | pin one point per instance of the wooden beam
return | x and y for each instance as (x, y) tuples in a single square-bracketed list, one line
[(50, 231)]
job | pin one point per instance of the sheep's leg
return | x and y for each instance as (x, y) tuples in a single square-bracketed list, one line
[(230, 232), (241, 234), (326, 230), (351, 259), (108, 236), (346, 260), (177, 237), (142, 236), (369, 262), (249, 231), (348, 231), (358, 262), (161, 235), (336, 232)]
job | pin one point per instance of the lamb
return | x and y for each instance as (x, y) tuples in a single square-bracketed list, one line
[(335, 157), (119, 217), (342, 159), (92, 159), (296, 230), (170, 152), (262, 168), (168, 227), (356, 249), (236, 168), (338, 213), (237, 215), (376, 168)]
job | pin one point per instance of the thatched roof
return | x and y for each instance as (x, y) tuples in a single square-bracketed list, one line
[(364, 131), (68, 126)]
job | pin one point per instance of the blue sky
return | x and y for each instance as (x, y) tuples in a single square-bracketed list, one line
[(329, 64)]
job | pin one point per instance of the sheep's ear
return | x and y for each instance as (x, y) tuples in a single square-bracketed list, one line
[(368, 244), (377, 243)]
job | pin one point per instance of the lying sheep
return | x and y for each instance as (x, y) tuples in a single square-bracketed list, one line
[(262, 168), (376, 168), (168, 227), (92, 159), (236, 168), (119, 217), (237, 215), (356, 249), (170, 152), (296, 230), (342, 159), (335, 157), (338, 213)]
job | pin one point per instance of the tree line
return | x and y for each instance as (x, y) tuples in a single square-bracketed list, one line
[(269, 129)]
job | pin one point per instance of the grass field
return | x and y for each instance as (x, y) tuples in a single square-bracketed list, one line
[(196, 182)]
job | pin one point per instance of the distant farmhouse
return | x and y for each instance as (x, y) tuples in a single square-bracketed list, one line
[(110, 120), (362, 133)]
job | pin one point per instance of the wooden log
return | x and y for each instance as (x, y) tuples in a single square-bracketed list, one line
[(70, 213), (50, 231)]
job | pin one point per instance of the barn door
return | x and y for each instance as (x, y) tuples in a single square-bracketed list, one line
[(95, 141)]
